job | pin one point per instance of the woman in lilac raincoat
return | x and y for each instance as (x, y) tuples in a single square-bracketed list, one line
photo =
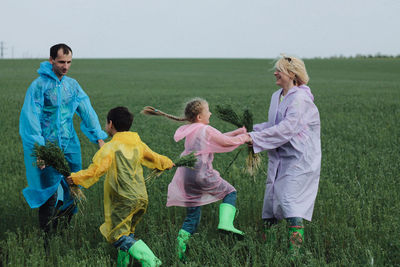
[(193, 188), (292, 138)]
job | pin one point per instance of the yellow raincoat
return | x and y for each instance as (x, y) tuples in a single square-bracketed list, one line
[(125, 194)]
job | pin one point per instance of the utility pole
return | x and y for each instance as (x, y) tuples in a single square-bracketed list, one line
[(1, 49)]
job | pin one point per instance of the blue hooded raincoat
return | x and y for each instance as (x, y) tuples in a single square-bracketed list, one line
[(47, 115)]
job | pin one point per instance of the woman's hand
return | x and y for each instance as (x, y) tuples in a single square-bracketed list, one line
[(249, 141)]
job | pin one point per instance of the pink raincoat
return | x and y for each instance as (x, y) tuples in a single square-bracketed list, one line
[(202, 185), (292, 138)]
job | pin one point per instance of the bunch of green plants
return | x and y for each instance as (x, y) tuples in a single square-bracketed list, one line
[(226, 113), (52, 155), (188, 161)]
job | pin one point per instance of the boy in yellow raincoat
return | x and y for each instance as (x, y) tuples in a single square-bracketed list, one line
[(125, 195)]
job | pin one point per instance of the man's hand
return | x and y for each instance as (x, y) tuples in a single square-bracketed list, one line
[(100, 142), (70, 181), (40, 163)]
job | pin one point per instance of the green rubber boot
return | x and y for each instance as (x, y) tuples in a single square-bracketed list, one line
[(226, 217), (269, 235), (144, 255), (183, 238), (123, 258), (296, 238)]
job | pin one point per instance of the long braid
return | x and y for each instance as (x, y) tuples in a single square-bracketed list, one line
[(192, 109), (148, 110)]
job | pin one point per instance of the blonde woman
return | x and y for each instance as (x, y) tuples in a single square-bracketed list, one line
[(292, 137)]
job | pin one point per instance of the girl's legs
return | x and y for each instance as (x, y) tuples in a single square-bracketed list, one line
[(227, 213), (230, 198), (192, 220)]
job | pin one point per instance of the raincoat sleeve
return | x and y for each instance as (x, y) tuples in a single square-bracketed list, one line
[(101, 162), (238, 131), (218, 142), (90, 125), (281, 133), (152, 160), (29, 121), (261, 126)]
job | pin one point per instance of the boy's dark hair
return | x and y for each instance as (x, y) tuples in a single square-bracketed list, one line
[(121, 118), (54, 50)]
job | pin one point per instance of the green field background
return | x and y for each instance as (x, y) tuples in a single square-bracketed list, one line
[(356, 218)]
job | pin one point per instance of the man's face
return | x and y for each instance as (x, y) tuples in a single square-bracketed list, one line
[(61, 63)]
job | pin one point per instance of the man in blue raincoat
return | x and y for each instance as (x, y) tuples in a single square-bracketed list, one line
[(47, 115)]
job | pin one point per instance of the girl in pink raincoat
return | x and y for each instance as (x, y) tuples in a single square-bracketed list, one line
[(292, 138), (193, 188)]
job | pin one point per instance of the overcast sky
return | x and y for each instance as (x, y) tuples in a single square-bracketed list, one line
[(200, 28)]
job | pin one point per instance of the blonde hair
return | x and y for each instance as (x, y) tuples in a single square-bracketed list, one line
[(193, 108), (294, 67)]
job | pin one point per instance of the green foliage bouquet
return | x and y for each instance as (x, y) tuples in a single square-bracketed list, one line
[(188, 161), (51, 155), (226, 113)]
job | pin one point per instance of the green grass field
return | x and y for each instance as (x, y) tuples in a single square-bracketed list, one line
[(357, 212)]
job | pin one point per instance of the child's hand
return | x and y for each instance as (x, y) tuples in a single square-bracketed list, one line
[(241, 130), (70, 181), (100, 142), (173, 165)]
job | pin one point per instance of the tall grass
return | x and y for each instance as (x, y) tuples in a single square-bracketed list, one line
[(357, 212)]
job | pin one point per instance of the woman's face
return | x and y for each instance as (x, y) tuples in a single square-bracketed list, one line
[(282, 79)]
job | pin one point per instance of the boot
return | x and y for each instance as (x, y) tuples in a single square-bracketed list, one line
[(123, 258), (226, 217), (269, 231), (144, 255), (296, 237), (269, 236), (183, 238)]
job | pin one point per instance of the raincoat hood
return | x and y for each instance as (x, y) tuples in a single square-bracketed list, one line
[(187, 130), (46, 69), (307, 90)]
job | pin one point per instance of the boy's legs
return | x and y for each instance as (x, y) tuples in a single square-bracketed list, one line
[(123, 244), (127, 245)]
